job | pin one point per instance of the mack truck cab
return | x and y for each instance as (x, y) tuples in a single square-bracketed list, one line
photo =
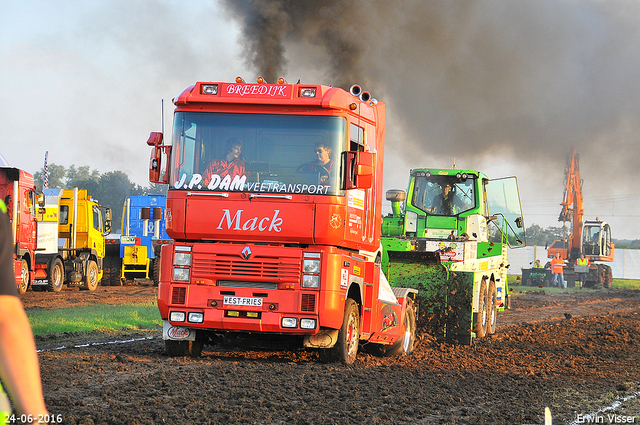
[(274, 203), (447, 236)]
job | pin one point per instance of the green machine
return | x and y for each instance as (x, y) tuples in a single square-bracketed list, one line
[(447, 237)]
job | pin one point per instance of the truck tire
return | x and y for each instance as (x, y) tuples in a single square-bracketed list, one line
[(111, 275), (492, 307), (24, 277), (349, 335), (184, 348), (404, 345), (116, 279), (481, 317), (106, 271), (56, 276), (91, 278)]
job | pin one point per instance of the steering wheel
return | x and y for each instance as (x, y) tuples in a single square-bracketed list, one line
[(311, 168)]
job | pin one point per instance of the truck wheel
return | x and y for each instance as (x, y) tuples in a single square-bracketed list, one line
[(492, 307), (111, 275), (184, 348), (56, 277), (24, 277), (346, 347), (91, 278), (404, 345), (481, 320), (107, 270), (117, 272), (349, 335)]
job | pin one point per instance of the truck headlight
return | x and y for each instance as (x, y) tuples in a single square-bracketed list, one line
[(311, 266), (310, 281), (181, 274), (307, 323), (177, 316), (289, 322), (182, 258), (196, 317)]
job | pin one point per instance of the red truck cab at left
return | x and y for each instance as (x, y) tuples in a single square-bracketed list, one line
[(21, 198)]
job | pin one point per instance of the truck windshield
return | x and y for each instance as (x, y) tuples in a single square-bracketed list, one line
[(282, 154), (444, 195)]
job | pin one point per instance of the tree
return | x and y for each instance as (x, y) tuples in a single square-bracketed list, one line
[(113, 188), (82, 175), (56, 173), (536, 235)]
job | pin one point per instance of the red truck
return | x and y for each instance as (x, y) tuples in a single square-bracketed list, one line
[(275, 206), (19, 194)]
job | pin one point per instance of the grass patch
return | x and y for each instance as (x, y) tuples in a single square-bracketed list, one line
[(514, 280), (101, 317), (626, 283)]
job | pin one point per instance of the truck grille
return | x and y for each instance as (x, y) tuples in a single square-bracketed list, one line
[(273, 269), (245, 284)]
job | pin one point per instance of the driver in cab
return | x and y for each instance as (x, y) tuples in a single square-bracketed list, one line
[(444, 202), (323, 165)]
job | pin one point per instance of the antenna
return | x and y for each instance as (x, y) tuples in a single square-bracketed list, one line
[(45, 178), (162, 116), (454, 163)]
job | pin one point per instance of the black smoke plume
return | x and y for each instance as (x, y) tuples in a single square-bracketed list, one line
[(480, 81)]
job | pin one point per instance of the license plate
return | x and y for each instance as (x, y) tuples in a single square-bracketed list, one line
[(248, 301)]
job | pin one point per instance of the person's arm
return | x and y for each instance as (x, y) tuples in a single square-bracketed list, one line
[(19, 367)]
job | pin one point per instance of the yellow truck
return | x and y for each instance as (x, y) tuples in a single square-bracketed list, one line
[(71, 244)]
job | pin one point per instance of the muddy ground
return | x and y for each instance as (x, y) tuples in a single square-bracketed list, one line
[(574, 352)]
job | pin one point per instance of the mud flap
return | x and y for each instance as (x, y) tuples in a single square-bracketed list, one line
[(177, 333), (325, 338), (445, 299)]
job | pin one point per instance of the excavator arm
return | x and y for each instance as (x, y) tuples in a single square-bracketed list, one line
[(572, 204)]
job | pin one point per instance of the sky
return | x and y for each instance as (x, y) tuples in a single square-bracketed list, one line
[(507, 88)]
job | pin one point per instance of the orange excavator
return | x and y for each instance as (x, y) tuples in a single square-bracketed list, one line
[(591, 237)]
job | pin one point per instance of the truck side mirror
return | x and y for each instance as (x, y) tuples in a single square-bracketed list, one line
[(155, 162), (40, 199), (360, 167), (519, 222)]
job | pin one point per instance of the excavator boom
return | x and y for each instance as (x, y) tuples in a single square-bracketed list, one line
[(573, 206), (593, 238)]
